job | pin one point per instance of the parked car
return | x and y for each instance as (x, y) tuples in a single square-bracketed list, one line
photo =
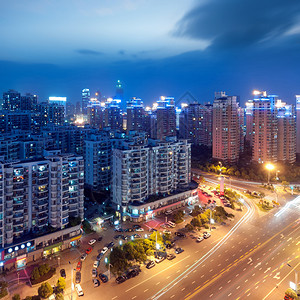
[(166, 231), (78, 277), (104, 250), (63, 273), (78, 267), (96, 264), (83, 257), (132, 273), (206, 235), (120, 279), (159, 259), (100, 238), (170, 245), (129, 230), (94, 273), (88, 250), (92, 242), (96, 282), (79, 290), (119, 229), (103, 277), (178, 250), (150, 264), (152, 229), (137, 236), (140, 229), (180, 234), (99, 256), (136, 226), (171, 256), (199, 239), (110, 245)]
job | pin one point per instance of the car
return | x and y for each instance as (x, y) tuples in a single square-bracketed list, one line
[(92, 242), (136, 226), (127, 237), (139, 229), (159, 259), (78, 277), (129, 230), (178, 250), (96, 264), (104, 250), (99, 238), (118, 229), (63, 273), (78, 267), (83, 257), (150, 264), (136, 236), (152, 229), (96, 282), (110, 245), (79, 290), (206, 235), (166, 231), (118, 236), (88, 250), (103, 277), (180, 234), (170, 245), (171, 256), (99, 256), (120, 279), (132, 273), (94, 273), (199, 239)]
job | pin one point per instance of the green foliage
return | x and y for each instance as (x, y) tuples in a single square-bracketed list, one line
[(178, 216), (59, 296), (87, 227), (196, 211), (196, 222), (74, 221), (3, 289), (28, 298), (61, 284), (167, 237), (45, 290), (35, 274), (16, 297), (41, 273), (189, 227), (44, 269)]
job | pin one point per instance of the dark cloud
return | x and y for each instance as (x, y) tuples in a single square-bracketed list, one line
[(89, 52), (230, 24)]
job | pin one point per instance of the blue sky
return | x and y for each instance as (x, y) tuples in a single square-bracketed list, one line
[(154, 47)]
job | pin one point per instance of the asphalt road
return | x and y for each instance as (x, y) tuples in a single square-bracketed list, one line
[(247, 260)]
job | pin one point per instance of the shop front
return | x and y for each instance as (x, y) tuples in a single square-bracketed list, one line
[(52, 249), (21, 262), (75, 240)]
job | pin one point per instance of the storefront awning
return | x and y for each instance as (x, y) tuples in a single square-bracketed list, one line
[(76, 238), (53, 246)]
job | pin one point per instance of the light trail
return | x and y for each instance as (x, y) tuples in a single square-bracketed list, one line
[(173, 283), (295, 202)]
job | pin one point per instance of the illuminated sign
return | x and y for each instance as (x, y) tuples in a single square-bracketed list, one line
[(64, 99)]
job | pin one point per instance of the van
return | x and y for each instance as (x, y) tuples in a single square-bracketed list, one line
[(171, 224), (79, 290)]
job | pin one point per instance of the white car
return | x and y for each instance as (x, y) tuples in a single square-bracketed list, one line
[(104, 250), (200, 239), (206, 235), (79, 290), (83, 257), (166, 231), (94, 273), (139, 229), (92, 242), (96, 264)]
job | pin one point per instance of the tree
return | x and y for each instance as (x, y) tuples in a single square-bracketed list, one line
[(189, 227), (61, 284), (35, 275), (44, 269), (28, 298), (196, 211), (237, 173), (59, 296), (45, 290), (196, 222), (178, 216), (16, 297)]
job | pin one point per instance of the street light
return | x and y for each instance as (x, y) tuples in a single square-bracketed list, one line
[(269, 167)]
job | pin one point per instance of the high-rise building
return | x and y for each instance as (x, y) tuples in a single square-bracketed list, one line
[(196, 123), (11, 100), (113, 114), (119, 91), (136, 117), (298, 122), (262, 119), (36, 195), (286, 137), (85, 99), (97, 159), (51, 113), (226, 129), (95, 113), (165, 118), (29, 102)]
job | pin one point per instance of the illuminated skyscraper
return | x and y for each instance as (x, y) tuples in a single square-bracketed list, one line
[(135, 115), (119, 90), (226, 130), (85, 100), (298, 122)]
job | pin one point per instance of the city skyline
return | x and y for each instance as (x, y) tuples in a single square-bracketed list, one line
[(157, 49)]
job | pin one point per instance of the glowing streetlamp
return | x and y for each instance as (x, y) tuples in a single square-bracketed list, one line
[(269, 167)]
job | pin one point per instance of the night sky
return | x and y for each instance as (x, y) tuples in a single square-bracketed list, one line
[(157, 47)]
